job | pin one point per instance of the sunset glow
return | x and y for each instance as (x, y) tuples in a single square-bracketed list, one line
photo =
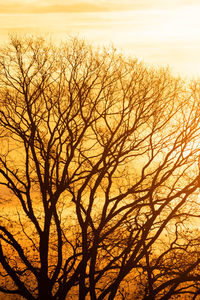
[(99, 149), (157, 32)]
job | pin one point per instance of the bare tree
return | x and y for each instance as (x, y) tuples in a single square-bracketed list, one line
[(99, 175)]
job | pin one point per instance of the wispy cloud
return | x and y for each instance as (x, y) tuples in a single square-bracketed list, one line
[(57, 6), (64, 6)]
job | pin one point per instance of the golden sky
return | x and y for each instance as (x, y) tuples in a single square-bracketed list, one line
[(160, 32)]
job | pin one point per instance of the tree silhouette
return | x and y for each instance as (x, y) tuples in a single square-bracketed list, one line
[(99, 175)]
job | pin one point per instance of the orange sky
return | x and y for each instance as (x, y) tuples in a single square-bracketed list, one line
[(160, 32)]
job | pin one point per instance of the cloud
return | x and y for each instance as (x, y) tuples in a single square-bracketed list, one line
[(62, 6), (53, 6), (83, 6)]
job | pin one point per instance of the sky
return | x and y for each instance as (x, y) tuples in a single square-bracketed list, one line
[(158, 32)]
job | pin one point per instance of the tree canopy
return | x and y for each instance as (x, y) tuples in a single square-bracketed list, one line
[(99, 175)]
